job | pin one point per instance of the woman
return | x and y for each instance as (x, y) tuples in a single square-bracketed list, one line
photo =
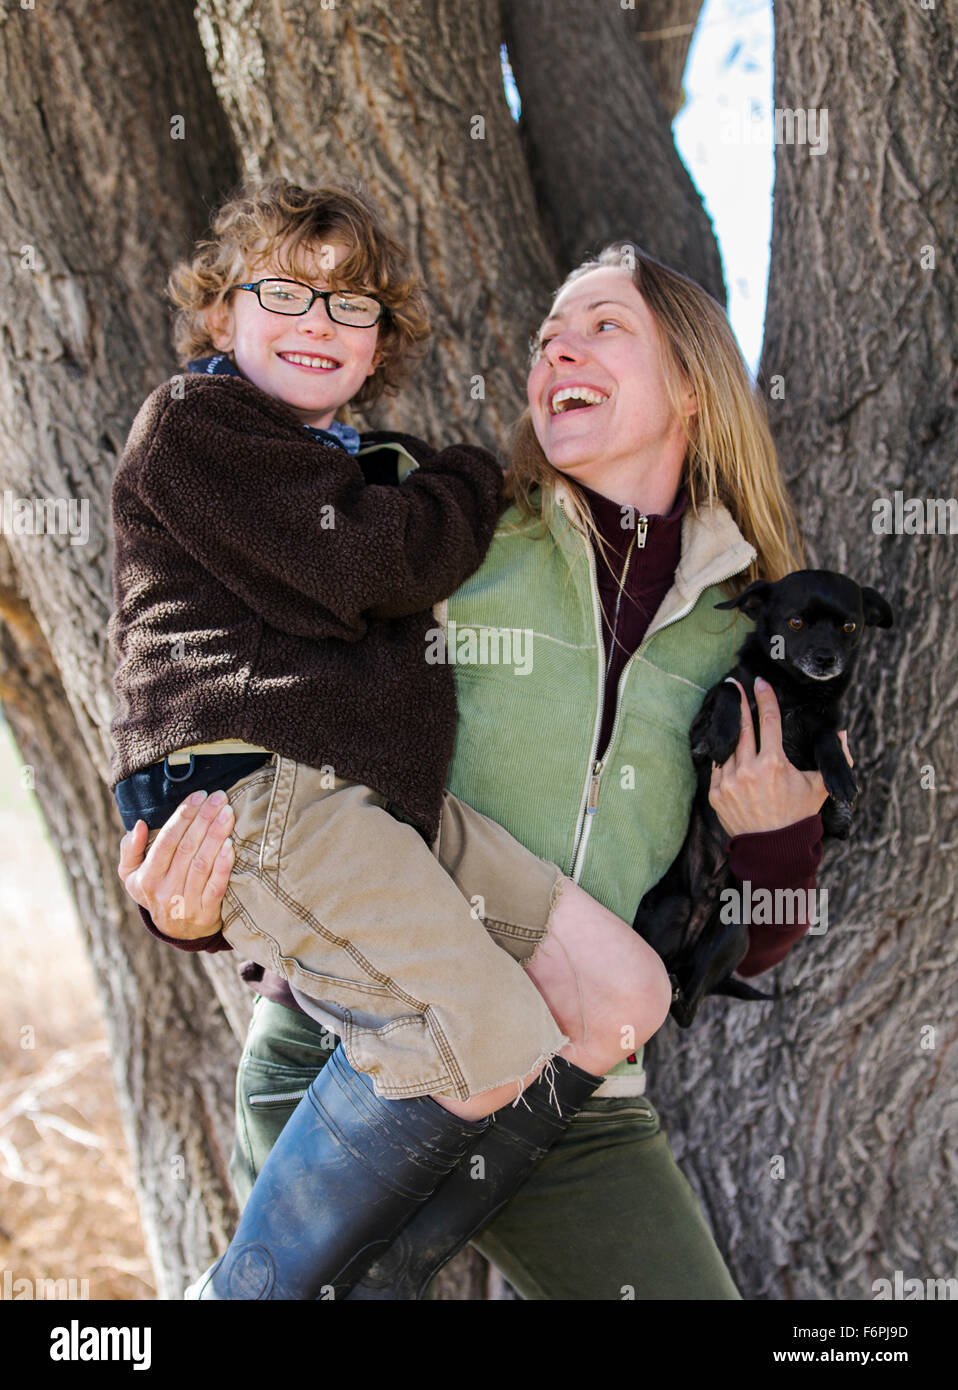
[(643, 480)]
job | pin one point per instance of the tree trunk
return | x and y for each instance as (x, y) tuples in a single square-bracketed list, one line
[(665, 29), (852, 1081), (599, 141), (97, 200)]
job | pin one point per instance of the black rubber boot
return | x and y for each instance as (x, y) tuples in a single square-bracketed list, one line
[(516, 1141), (344, 1175)]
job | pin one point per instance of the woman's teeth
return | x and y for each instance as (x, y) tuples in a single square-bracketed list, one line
[(561, 399)]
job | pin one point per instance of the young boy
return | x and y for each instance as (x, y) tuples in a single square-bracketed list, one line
[(273, 587)]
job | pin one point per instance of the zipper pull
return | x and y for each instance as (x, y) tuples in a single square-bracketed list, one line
[(590, 805), (641, 531)]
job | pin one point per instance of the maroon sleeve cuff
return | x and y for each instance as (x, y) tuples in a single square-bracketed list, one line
[(783, 858), (216, 942)]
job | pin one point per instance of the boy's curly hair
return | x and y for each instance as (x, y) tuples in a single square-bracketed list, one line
[(282, 221)]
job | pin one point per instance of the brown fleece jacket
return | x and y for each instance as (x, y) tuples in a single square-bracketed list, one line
[(264, 590)]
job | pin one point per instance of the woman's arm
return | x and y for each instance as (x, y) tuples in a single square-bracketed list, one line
[(770, 810), (777, 859)]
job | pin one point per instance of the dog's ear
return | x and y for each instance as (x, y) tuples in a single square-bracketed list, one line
[(877, 612), (751, 600)]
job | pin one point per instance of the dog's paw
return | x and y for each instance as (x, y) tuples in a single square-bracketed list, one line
[(837, 819), (715, 740), (840, 783)]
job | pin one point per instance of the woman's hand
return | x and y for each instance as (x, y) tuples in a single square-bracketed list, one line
[(183, 878), (760, 789)]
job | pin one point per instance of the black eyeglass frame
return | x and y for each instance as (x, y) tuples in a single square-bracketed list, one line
[(324, 295)]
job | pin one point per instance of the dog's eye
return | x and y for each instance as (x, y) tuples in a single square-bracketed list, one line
[(849, 627), (796, 623)]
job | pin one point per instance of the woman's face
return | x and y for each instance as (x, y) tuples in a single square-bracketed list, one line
[(601, 339)]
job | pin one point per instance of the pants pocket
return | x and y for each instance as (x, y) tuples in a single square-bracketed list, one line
[(603, 1113), (266, 1100), (266, 1097)]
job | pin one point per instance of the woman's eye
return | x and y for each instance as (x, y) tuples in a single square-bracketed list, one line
[(608, 323)]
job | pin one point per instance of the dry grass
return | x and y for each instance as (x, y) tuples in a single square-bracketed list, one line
[(67, 1204)]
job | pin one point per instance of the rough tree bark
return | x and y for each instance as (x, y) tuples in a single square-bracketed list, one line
[(599, 175), (665, 29), (95, 200), (853, 1082)]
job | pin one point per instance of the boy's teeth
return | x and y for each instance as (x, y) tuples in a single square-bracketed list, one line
[(576, 393), (302, 360)]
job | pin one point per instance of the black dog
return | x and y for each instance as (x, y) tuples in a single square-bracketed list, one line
[(807, 630)]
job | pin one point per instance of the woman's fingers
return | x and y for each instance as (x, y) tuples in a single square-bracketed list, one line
[(843, 740), (204, 883), (163, 849), (769, 721), (212, 893), (190, 839), (183, 877), (745, 745), (132, 849)]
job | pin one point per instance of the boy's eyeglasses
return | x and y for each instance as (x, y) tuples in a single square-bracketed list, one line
[(290, 297)]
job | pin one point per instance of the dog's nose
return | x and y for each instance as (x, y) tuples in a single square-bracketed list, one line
[(824, 660)]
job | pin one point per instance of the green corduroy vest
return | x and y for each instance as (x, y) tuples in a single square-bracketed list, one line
[(525, 636)]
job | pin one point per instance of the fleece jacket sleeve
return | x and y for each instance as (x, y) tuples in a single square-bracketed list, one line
[(292, 528)]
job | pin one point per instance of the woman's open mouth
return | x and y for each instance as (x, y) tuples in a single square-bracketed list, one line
[(568, 398)]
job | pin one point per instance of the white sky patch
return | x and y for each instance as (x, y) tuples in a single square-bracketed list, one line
[(724, 135)]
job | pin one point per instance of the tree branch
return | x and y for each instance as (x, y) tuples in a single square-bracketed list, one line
[(598, 140)]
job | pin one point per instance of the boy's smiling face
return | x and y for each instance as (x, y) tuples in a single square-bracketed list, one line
[(307, 361)]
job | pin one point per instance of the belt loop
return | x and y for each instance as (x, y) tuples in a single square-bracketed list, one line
[(167, 773)]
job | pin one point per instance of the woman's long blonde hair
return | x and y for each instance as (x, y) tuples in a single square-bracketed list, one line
[(730, 459)]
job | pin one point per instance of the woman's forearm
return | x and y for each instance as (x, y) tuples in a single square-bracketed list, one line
[(786, 859)]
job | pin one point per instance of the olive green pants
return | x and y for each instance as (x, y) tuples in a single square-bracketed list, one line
[(606, 1215)]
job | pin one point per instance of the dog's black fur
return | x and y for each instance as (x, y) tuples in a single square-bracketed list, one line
[(802, 646)]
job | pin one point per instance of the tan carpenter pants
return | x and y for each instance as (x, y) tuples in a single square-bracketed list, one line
[(412, 954)]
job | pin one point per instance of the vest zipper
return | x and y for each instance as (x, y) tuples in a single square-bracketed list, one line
[(590, 792), (596, 765), (592, 787)]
